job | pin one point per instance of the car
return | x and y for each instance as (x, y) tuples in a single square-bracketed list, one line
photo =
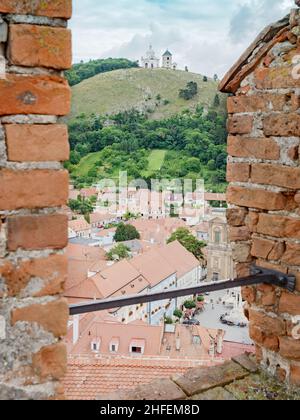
[(192, 321)]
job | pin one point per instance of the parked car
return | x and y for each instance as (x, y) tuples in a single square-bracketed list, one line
[(192, 321)]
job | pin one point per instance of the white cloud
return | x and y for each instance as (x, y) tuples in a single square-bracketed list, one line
[(206, 35)]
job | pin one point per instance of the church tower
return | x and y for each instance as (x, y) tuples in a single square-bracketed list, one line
[(150, 61), (167, 61)]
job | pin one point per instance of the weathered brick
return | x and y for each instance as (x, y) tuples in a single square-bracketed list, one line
[(238, 124), (289, 303), (252, 220), (262, 247), (49, 95), (275, 78), (33, 188), (50, 8), (40, 46), (269, 325), (255, 198), (282, 176), (295, 375), (256, 103), (279, 226), (52, 316), (260, 148), (241, 252), (236, 216), (282, 125), (249, 294), (289, 348), (50, 362), (37, 143), (238, 172), (37, 232), (52, 271), (241, 233), (292, 255)]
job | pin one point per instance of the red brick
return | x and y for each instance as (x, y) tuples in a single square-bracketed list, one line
[(51, 362), (49, 95), (249, 294), (40, 46), (279, 226), (270, 326), (289, 303), (252, 220), (290, 348), (37, 143), (262, 247), (52, 271), (240, 124), (260, 148), (243, 270), (271, 343), (238, 172), (52, 316), (293, 153), (275, 78), (282, 125), (281, 176), (236, 216), (255, 198), (292, 256), (50, 8), (295, 375), (37, 232), (256, 103), (241, 233), (33, 188)]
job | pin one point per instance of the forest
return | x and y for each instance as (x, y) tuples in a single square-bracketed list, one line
[(83, 71), (194, 143)]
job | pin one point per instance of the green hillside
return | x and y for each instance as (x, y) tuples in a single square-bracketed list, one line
[(155, 92)]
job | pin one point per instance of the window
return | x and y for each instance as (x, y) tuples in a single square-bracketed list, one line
[(217, 236), (113, 348), (215, 277), (137, 350)]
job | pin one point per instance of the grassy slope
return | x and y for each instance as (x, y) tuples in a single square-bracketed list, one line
[(87, 163), (131, 88), (156, 160)]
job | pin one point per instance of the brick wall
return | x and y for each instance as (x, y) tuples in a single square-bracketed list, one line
[(264, 190), (35, 48)]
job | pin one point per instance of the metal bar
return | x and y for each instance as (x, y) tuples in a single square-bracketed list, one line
[(259, 276)]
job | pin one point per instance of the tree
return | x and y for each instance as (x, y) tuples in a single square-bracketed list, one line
[(217, 101), (205, 79), (126, 233), (119, 252), (216, 78), (189, 304), (189, 241), (189, 92), (178, 313)]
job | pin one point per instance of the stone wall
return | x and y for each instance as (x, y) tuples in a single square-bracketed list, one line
[(264, 191), (35, 47)]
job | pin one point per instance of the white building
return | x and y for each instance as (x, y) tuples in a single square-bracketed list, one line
[(167, 61), (150, 61)]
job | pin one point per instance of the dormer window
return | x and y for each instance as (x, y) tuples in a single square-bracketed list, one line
[(114, 345), (95, 345)]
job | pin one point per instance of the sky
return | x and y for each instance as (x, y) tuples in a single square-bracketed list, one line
[(208, 36)]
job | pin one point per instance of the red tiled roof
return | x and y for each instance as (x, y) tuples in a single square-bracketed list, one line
[(89, 378)]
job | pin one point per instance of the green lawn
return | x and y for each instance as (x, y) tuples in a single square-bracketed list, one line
[(156, 160), (88, 162)]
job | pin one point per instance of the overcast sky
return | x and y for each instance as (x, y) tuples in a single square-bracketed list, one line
[(206, 35)]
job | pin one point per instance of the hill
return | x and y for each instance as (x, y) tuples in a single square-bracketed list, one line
[(154, 91)]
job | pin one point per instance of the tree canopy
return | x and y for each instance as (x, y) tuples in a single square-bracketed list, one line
[(126, 233), (192, 244), (119, 252)]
